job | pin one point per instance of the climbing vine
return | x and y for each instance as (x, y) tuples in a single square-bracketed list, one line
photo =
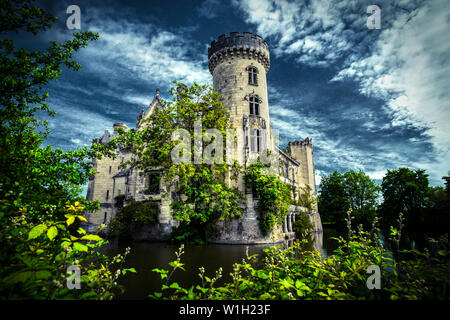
[(274, 197)]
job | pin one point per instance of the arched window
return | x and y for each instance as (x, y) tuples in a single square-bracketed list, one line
[(254, 105), (252, 75)]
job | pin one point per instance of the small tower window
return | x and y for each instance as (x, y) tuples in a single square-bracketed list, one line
[(110, 169), (254, 105), (252, 75), (105, 217), (107, 194)]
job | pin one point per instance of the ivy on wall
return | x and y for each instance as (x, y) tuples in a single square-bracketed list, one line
[(274, 197)]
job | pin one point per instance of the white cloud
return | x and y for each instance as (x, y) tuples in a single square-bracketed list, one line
[(313, 33), (409, 68), (145, 51)]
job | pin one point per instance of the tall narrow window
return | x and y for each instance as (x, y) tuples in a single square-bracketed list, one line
[(252, 75), (110, 169), (104, 218), (254, 105), (257, 140), (107, 194), (253, 140)]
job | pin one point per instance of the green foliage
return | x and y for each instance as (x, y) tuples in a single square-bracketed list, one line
[(351, 190), (39, 234), (274, 197), (437, 219), (37, 267), (306, 198), (333, 199), (203, 195), (302, 227), (363, 194), (295, 273), (133, 216), (404, 190), (153, 183)]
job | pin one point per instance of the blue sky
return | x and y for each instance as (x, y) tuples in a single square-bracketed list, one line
[(370, 99)]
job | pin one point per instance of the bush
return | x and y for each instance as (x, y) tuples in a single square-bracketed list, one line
[(133, 216), (42, 253), (302, 227), (296, 273)]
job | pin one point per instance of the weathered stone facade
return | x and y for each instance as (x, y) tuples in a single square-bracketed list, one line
[(238, 64)]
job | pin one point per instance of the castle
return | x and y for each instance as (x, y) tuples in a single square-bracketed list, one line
[(238, 64)]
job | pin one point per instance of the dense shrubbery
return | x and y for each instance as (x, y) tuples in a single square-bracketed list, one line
[(302, 227), (296, 273), (40, 254), (132, 216)]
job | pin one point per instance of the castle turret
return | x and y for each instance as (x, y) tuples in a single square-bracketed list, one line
[(302, 151), (238, 64)]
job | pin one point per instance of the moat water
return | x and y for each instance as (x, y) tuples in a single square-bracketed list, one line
[(145, 256)]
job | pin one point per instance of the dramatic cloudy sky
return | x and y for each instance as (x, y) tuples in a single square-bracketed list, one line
[(370, 99)]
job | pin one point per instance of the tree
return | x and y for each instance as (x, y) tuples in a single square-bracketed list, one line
[(40, 204), (404, 190), (333, 199), (203, 194), (362, 193), (437, 219), (447, 183)]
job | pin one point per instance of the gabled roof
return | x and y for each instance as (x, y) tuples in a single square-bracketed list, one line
[(122, 173), (156, 102), (288, 157)]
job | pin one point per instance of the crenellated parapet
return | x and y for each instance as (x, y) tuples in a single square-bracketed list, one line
[(301, 143), (246, 45)]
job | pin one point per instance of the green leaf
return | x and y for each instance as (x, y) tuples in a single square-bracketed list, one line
[(80, 247), (91, 237), (36, 231), (82, 218), (265, 296), (88, 295), (20, 276), (43, 274), (262, 274), (70, 220), (52, 232), (124, 271)]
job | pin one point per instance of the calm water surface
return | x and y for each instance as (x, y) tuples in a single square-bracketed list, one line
[(145, 256)]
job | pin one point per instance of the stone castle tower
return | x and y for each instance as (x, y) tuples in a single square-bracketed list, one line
[(238, 64)]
